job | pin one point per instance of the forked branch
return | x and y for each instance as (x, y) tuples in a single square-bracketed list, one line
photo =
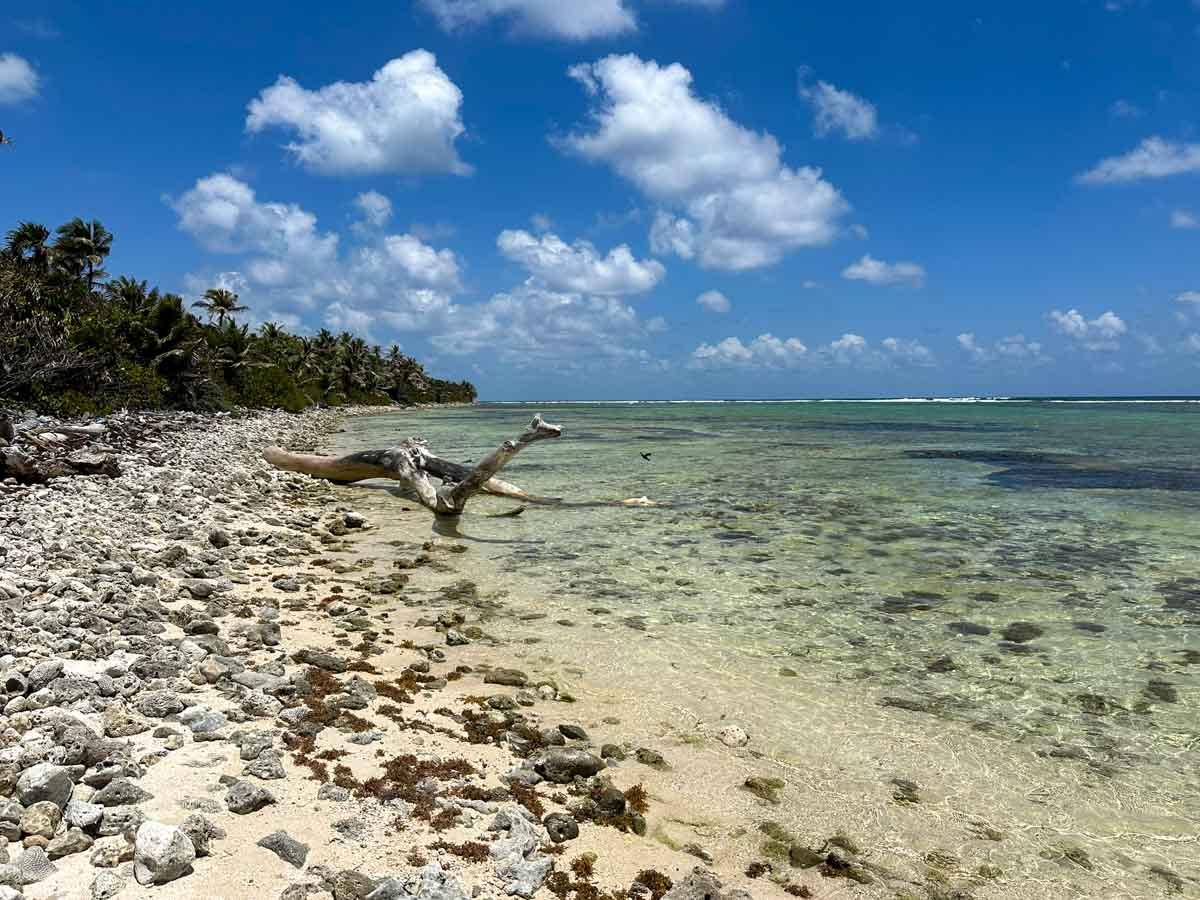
[(411, 464)]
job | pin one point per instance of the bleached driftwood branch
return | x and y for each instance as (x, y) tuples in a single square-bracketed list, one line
[(411, 464)]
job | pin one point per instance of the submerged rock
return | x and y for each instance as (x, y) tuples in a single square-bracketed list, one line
[(701, 884), (507, 677), (764, 788), (733, 736), (1021, 632)]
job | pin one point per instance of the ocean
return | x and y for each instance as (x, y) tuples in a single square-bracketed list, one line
[(995, 601)]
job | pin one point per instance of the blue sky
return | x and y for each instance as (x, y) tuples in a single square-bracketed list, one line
[(648, 198)]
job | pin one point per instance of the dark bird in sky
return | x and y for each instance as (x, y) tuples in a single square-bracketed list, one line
[(646, 457), (4, 139)]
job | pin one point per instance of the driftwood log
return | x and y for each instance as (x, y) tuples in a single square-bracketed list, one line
[(33, 454), (412, 464)]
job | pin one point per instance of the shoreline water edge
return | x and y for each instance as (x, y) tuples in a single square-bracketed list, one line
[(240, 682)]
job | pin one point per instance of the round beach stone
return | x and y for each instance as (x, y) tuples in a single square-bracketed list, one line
[(561, 827), (41, 819), (286, 848), (121, 792), (106, 885), (733, 736), (45, 781), (162, 853), (563, 765), (244, 798)]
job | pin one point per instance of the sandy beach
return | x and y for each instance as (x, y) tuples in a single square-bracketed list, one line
[(204, 642), (240, 682)]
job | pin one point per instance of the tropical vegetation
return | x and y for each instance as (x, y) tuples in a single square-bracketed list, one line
[(74, 340)]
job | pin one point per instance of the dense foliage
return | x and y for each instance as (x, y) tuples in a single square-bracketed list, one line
[(73, 341)]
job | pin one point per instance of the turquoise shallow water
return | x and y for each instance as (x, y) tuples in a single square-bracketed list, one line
[(1028, 572)]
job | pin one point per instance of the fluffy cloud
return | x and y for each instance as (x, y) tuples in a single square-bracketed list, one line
[(1181, 218), (877, 272), (409, 259), (1192, 345), (728, 198), (225, 216), (578, 20), (567, 315), (1101, 333), (1189, 297), (909, 351), (714, 301), (1011, 349), (836, 110), (769, 352), (847, 348), (18, 79), (404, 120), (674, 235), (579, 267), (1152, 158), (530, 324), (376, 209), (765, 351), (290, 266)]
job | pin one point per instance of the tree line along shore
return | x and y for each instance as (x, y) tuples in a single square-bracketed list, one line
[(75, 341)]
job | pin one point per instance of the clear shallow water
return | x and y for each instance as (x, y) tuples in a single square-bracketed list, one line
[(1023, 577)]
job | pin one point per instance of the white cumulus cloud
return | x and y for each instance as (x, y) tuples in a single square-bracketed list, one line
[(530, 324), (224, 214), (577, 20), (1152, 158), (837, 110), (847, 348), (714, 301), (579, 267), (405, 120), (909, 351), (1101, 333), (18, 79), (1188, 297), (878, 272), (411, 259), (765, 351), (376, 209), (290, 266), (573, 20), (1182, 218), (727, 195), (1015, 348)]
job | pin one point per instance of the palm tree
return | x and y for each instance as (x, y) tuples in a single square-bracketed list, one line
[(270, 331), (220, 303), (84, 246), (302, 357), (29, 241), (132, 294)]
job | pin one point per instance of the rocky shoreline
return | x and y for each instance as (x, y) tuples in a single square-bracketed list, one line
[(211, 684)]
